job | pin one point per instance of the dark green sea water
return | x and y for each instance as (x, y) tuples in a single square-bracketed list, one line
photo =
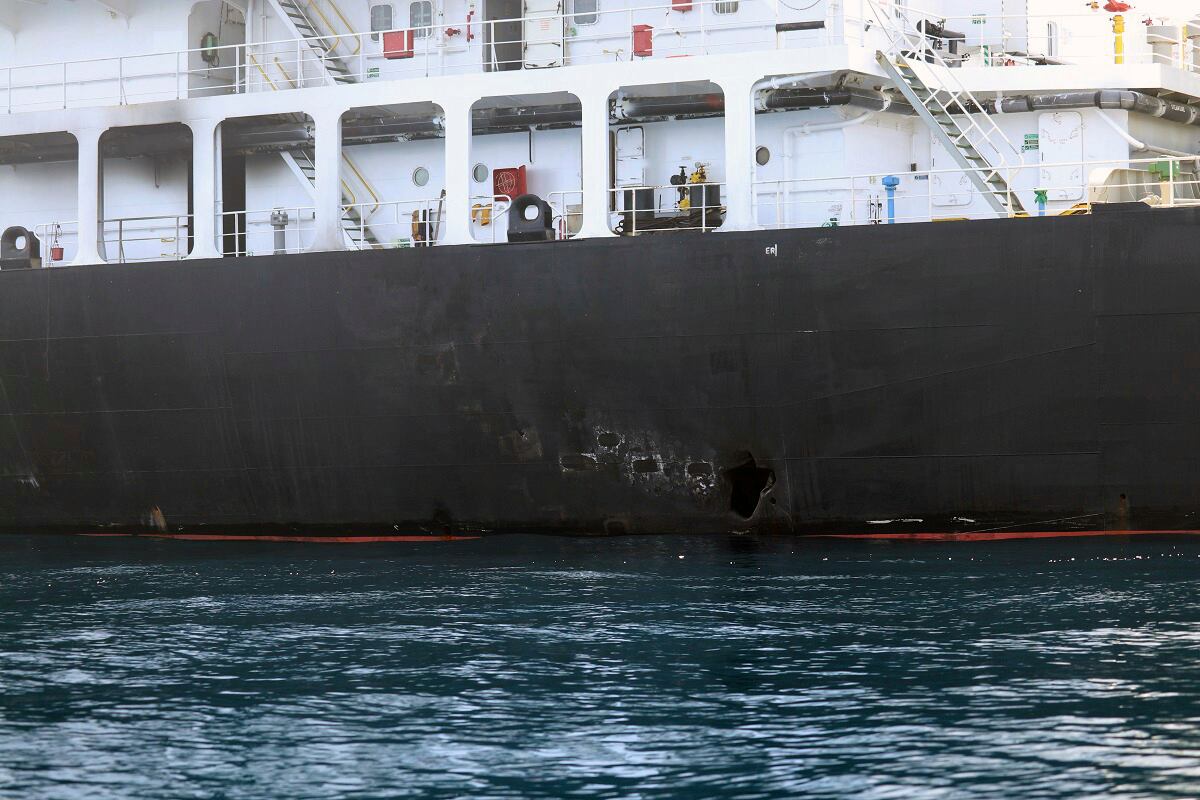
[(529, 667)]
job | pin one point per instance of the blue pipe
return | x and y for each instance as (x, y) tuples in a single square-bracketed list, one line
[(1041, 195), (890, 183)]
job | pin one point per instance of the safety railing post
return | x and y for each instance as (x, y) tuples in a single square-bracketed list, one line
[(629, 29), (1008, 190), (1172, 165)]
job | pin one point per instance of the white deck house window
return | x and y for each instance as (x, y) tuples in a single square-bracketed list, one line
[(584, 12), (420, 18), (726, 7), (381, 19)]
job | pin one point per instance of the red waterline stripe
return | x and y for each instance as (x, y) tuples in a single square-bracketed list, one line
[(218, 537), (999, 536)]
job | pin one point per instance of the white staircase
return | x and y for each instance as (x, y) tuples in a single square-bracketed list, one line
[(355, 230), (308, 21), (958, 121)]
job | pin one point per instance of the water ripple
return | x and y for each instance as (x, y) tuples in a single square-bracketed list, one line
[(559, 668)]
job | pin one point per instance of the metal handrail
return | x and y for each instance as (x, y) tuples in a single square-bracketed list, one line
[(311, 4), (261, 218), (349, 191), (562, 215), (901, 39), (178, 221), (431, 215), (504, 201), (1177, 178), (631, 214), (244, 54), (362, 179), (178, 58), (1167, 182)]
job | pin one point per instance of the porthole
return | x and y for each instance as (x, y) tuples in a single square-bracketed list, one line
[(480, 173), (761, 156), (420, 176)]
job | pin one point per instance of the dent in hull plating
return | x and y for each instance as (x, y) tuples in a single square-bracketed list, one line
[(964, 376)]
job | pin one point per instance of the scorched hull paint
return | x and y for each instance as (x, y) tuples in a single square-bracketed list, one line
[(1039, 374)]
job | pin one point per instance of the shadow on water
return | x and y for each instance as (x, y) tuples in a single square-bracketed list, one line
[(731, 666)]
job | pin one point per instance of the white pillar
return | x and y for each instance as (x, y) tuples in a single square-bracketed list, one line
[(458, 171), (90, 193), (206, 166), (597, 169), (328, 194), (739, 154)]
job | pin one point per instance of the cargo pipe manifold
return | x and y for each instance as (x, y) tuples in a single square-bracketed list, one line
[(1112, 99)]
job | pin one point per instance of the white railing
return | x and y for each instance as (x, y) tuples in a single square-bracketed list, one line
[(998, 40), (397, 224), (939, 195), (946, 93), (154, 238), (690, 206), (829, 201), (446, 48), (489, 217), (271, 231), (568, 212), (53, 235), (471, 46)]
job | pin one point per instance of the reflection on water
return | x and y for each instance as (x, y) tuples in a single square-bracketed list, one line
[(656, 667)]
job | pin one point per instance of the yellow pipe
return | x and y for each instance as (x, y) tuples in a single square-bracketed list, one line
[(1119, 41)]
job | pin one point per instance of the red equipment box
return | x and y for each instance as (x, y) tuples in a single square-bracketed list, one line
[(643, 40), (398, 44), (510, 181)]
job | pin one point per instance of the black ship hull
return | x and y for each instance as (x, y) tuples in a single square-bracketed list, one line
[(1028, 375)]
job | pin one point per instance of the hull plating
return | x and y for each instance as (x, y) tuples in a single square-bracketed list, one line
[(1029, 375)]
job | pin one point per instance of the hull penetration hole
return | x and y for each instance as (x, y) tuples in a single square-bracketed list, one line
[(748, 482)]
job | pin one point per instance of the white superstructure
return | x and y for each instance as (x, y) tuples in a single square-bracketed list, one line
[(147, 129)]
